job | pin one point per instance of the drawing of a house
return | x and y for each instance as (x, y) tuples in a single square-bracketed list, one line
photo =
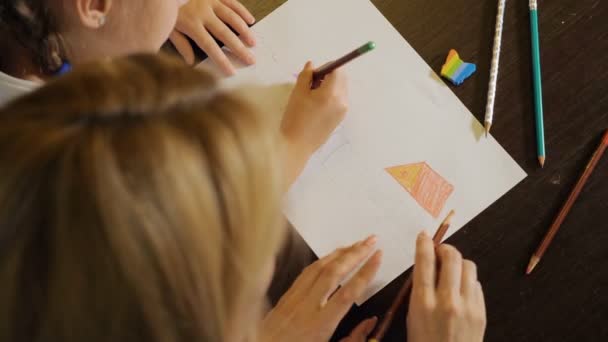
[(427, 187)]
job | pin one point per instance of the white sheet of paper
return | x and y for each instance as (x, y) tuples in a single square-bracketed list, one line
[(400, 113)]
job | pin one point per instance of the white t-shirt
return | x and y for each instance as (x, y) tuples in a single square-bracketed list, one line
[(11, 87)]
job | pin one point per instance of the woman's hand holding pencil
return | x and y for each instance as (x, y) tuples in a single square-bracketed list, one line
[(447, 303)]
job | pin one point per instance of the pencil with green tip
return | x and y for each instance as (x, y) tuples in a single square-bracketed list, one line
[(319, 74), (538, 89)]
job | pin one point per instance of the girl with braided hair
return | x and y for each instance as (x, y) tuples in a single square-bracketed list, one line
[(41, 38)]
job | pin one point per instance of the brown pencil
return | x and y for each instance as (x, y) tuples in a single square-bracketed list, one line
[(540, 251), (405, 289), (319, 75)]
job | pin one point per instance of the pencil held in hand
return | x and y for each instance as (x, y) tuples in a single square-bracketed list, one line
[(405, 289), (326, 69), (447, 302)]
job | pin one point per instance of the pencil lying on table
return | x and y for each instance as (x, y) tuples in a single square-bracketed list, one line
[(540, 251), (494, 66), (538, 88), (405, 289)]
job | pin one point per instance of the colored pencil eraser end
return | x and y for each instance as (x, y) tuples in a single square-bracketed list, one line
[(456, 70)]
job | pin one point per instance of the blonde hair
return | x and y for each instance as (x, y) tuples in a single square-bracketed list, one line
[(137, 202)]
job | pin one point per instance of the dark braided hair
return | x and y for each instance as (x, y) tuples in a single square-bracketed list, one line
[(31, 24)]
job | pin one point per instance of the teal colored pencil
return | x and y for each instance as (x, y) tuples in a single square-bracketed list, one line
[(538, 88)]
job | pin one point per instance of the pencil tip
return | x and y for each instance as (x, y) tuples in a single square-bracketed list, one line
[(488, 126), (448, 219), (541, 160), (533, 262)]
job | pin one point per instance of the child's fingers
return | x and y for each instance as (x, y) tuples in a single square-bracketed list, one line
[(336, 81), (182, 45), (305, 77), (231, 18), (205, 41), (425, 266), (451, 270), (241, 10), (220, 30)]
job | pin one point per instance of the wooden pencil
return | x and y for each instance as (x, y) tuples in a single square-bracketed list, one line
[(537, 84), (407, 285), (561, 216), (489, 117), (319, 74)]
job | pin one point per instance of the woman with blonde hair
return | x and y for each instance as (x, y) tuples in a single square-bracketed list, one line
[(139, 202)]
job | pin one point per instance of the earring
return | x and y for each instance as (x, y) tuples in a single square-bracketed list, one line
[(101, 21)]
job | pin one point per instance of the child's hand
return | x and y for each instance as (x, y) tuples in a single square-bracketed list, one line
[(450, 308), (201, 20), (315, 304), (311, 116)]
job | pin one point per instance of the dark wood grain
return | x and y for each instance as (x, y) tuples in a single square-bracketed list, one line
[(566, 298)]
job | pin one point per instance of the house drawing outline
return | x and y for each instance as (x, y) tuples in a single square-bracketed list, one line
[(424, 184)]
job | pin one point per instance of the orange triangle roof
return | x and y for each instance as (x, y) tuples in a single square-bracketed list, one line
[(406, 175)]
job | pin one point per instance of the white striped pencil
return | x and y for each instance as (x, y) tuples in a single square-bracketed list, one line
[(494, 67)]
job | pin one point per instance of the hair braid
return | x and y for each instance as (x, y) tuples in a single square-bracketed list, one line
[(31, 24)]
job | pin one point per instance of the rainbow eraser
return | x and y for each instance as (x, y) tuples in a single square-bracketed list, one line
[(456, 70)]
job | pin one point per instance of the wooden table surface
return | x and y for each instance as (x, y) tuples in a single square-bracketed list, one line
[(566, 298)]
